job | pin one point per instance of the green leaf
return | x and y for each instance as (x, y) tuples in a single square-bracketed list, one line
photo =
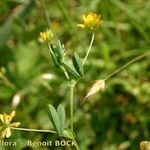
[(57, 52), (57, 55), (62, 116), (78, 64), (71, 69), (54, 59), (54, 118), (60, 49), (63, 48)]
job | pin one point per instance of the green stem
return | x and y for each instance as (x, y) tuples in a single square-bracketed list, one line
[(71, 106), (126, 65), (71, 86), (6, 81), (65, 72), (33, 130), (89, 49), (77, 146), (46, 12), (49, 47)]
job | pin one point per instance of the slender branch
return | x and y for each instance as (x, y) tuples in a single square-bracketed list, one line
[(65, 72), (50, 49), (126, 65), (89, 49), (6, 81), (77, 146), (33, 130), (46, 12)]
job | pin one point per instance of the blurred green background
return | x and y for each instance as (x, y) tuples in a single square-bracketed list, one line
[(118, 118)]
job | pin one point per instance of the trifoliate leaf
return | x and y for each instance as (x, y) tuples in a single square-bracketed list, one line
[(62, 116), (78, 64), (71, 69), (54, 118)]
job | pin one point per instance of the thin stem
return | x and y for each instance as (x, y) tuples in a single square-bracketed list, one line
[(89, 49), (71, 85), (126, 65), (49, 47), (71, 107), (33, 130), (7, 82), (46, 12), (77, 146), (65, 72)]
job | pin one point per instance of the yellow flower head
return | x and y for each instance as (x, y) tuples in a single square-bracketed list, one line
[(6, 121), (46, 36), (144, 145), (91, 20)]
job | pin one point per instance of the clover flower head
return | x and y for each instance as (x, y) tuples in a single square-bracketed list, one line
[(5, 129), (47, 36), (144, 145), (91, 20)]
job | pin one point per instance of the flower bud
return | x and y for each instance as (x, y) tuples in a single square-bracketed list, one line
[(96, 87), (46, 36)]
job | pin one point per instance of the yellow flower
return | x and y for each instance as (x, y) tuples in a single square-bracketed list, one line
[(91, 20), (6, 121), (145, 145), (46, 36)]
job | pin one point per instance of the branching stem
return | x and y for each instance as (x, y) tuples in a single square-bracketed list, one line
[(89, 49), (126, 65), (33, 130)]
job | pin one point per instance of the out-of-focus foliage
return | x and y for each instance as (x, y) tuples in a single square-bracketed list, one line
[(118, 118)]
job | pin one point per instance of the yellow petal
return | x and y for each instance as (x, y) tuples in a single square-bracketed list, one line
[(1, 118), (47, 36), (15, 124), (12, 115), (144, 145), (84, 17), (3, 134), (81, 25), (91, 20), (6, 133), (6, 118)]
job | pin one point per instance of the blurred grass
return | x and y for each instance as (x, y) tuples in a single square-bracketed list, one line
[(116, 119)]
